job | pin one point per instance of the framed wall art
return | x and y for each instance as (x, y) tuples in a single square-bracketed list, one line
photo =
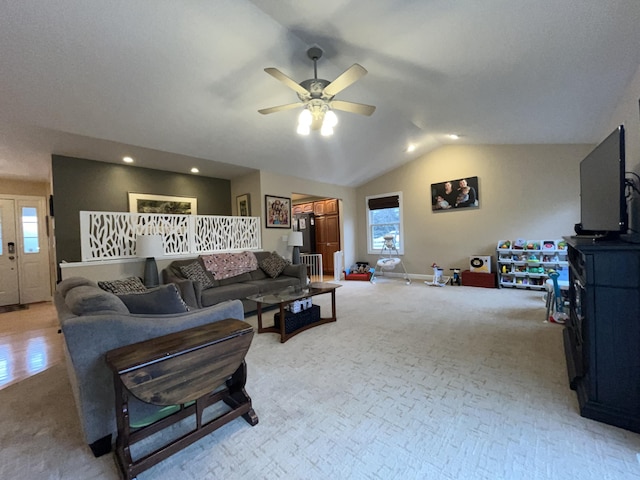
[(243, 205), (150, 203), (277, 211), (455, 194)]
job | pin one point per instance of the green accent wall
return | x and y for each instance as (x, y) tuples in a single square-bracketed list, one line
[(80, 184)]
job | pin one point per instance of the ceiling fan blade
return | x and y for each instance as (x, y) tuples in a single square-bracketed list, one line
[(292, 84), (280, 108), (352, 107), (349, 76)]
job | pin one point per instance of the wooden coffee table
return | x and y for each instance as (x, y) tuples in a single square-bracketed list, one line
[(290, 295)]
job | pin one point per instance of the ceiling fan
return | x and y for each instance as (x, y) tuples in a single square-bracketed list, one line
[(317, 97)]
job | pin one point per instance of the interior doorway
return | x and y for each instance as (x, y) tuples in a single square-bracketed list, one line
[(24, 250), (319, 220)]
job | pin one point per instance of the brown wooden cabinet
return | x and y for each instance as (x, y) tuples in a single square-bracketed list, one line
[(327, 228), (302, 208)]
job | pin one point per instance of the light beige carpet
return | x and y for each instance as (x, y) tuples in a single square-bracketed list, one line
[(412, 382)]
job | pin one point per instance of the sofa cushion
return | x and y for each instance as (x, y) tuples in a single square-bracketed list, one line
[(126, 285), (155, 301), (273, 265), (196, 272), (213, 296), (258, 274), (244, 277), (272, 285), (86, 299)]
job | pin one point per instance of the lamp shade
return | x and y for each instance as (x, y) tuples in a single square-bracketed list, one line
[(295, 239), (149, 246)]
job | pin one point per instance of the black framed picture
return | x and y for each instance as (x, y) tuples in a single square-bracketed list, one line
[(455, 194), (277, 211), (243, 205)]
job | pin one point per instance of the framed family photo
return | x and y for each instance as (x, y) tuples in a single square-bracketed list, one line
[(243, 205), (277, 211), (150, 203), (461, 193)]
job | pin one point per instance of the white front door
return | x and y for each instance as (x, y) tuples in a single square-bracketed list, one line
[(9, 292), (24, 261)]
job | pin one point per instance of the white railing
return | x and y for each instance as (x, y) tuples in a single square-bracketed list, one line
[(112, 235), (313, 261)]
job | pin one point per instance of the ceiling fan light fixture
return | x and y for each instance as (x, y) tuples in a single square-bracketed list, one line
[(326, 130), (303, 129), (330, 119), (305, 118)]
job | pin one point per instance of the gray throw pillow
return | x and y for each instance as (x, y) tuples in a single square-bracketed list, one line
[(86, 300), (162, 300), (194, 271), (126, 285), (273, 265)]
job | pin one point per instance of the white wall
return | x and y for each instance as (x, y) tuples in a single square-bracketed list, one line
[(529, 191), (284, 186), (627, 113)]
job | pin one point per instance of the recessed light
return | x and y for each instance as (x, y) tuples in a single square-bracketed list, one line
[(127, 159), (195, 170), (411, 148), (454, 136)]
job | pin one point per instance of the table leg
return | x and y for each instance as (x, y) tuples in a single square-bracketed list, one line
[(333, 305), (283, 335), (259, 308)]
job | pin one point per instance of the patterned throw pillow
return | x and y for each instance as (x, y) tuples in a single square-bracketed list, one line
[(273, 265), (194, 271), (127, 285)]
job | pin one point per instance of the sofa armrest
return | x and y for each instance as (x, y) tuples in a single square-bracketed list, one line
[(298, 270)]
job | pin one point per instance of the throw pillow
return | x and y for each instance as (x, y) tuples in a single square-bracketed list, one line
[(194, 271), (164, 299), (87, 300), (273, 265), (127, 285)]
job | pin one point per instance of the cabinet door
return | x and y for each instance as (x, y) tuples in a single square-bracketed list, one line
[(297, 209), (616, 336), (307, 207), (331, 206), (327, 240), (318, 208)]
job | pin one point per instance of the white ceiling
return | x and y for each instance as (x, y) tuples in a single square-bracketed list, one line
[(100, 79)]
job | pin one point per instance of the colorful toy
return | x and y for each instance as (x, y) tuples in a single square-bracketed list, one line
[(455, 279), (558, 316)]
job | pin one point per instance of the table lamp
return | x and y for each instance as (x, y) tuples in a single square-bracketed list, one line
[(295, 241), (149, 247)]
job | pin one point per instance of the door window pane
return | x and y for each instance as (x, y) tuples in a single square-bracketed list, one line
[(30, 230)]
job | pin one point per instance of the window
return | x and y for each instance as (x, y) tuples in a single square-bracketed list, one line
[(384, 217), (30, 230)]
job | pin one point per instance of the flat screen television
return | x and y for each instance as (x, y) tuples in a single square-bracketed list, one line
[(603, 205)]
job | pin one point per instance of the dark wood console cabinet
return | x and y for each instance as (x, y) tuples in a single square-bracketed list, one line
[(602, 335)]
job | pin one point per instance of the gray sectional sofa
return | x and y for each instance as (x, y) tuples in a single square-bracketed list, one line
[(94, 321), (240, 286)]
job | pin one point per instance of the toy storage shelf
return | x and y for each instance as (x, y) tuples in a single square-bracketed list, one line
[(526, 263)]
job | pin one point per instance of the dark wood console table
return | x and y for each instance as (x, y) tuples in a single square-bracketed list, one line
[(602, 334), (192, 369)]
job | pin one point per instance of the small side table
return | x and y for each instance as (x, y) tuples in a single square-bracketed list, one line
[(199, 366)]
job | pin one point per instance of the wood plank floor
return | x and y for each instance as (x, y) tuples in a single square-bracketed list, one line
[(29, 342)]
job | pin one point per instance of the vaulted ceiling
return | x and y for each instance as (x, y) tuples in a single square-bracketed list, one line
[(177, 84)]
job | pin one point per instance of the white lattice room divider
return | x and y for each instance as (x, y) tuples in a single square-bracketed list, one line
[(112, 235)]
